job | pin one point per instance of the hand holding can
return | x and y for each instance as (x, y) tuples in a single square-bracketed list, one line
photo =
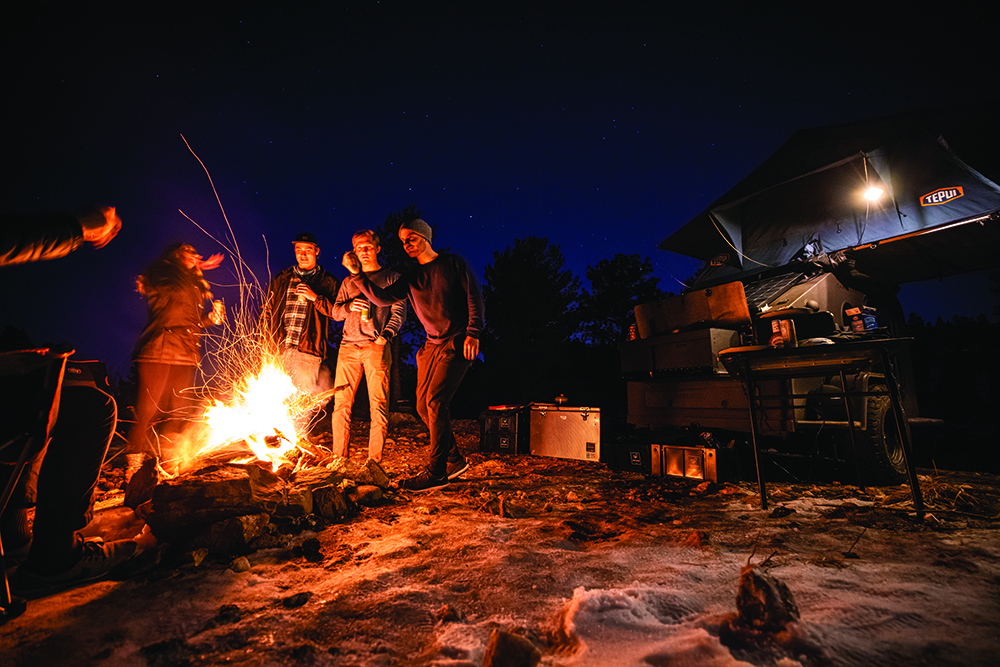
[(362, 306), (218, 314)]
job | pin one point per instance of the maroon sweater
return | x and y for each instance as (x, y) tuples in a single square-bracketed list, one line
[(444, 294)]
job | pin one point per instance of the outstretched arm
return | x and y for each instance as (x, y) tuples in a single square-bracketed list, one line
[(44, 236)]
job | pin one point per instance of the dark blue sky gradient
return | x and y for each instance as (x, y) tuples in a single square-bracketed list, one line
[(603, 129)]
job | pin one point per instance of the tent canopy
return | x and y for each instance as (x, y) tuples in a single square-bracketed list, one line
[(937, 215)]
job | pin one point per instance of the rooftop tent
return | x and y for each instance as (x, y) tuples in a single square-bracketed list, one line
[(937, 215)]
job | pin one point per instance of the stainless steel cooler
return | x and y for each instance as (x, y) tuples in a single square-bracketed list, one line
[(565, 432)]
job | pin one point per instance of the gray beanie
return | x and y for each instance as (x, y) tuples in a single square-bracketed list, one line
[(418, 226)]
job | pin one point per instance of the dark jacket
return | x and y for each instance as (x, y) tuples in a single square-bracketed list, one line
[(444, 293), (174, 299), (317, 327)]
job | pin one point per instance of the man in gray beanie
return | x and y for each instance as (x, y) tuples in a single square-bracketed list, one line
[(420, 227), (446, 298)]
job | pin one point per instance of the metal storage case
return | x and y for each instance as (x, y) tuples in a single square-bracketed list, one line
[(634, 456), (502, 430), (565, 432)]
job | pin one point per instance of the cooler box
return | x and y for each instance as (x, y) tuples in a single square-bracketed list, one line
[(564, 432), (501, 430)]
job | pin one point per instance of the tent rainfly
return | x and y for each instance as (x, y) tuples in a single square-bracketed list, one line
[(936, 215)]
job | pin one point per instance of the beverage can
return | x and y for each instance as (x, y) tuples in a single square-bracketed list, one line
[(776, 339), (218, 312), (788, 333)]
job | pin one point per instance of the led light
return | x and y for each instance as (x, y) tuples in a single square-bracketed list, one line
[(873, 193)]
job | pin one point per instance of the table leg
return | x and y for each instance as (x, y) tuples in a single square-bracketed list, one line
[(850, 427), (904, 436), (753, 435)]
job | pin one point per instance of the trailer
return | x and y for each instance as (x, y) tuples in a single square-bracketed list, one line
[(816, 241)]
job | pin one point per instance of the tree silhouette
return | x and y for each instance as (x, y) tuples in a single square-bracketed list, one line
[(393, 256), (531, 313), (617, 285)]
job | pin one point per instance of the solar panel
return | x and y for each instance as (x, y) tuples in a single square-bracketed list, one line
[(765, 291)]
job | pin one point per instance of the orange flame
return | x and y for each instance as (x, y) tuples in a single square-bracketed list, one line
[(262, 414)]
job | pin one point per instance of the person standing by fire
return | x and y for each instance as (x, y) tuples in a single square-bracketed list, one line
[(364, 348), (296, 315), (167, 353), (446, 297)]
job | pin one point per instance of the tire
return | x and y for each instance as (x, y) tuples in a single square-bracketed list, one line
[(880, 452)]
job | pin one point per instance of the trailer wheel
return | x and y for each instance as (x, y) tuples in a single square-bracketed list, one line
[(880, 453)]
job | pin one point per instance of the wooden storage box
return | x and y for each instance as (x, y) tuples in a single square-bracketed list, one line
[(723, 306), (687, 351)]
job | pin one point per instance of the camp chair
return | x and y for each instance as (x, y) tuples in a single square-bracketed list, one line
[(30, 385)]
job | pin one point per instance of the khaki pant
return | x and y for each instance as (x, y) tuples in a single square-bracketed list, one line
[(374, 360)]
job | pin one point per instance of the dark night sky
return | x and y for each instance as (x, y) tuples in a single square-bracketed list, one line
[(602, 129)]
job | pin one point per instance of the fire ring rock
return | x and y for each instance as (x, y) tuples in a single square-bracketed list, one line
[(184, 506)]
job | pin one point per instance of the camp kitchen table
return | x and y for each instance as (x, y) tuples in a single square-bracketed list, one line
[(754, 364)]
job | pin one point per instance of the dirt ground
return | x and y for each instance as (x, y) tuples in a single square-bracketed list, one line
[(592, 566)]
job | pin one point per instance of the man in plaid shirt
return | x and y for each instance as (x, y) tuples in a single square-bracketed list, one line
[(296, 314)]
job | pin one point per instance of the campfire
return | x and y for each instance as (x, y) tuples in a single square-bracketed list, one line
[(246, 461), (262, 417)]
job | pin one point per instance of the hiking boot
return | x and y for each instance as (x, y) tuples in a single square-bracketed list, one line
[(456, 468), (424, 482), (97, 560)]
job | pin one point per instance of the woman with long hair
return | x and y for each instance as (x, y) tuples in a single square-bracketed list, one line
[(167, 353)]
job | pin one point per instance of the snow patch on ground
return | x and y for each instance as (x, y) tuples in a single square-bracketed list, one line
[(641, 625)]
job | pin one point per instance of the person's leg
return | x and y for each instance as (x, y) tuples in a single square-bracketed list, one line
[(15, 529), (69, 475), (378, 359), (153, 379), (425, 366), (302, 368), (444, 368), (345, 384), (179, 405)]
